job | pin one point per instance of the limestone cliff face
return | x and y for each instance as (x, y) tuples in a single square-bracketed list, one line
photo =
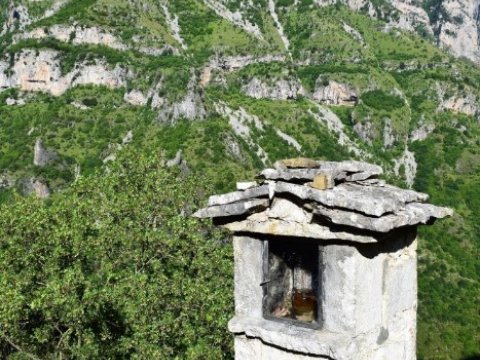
[(334, 93), (454, 23), (277, 89), (459, 29), (41, 71)]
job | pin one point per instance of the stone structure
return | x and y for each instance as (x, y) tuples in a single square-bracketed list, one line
[(325, 262)]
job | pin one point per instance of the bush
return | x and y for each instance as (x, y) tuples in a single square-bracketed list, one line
[(380, 100), (112, 269)]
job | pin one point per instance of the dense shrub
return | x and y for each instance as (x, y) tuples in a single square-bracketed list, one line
[(380, 100), (114, 268)]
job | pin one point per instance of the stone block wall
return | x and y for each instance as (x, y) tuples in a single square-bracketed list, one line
[(368, 304)]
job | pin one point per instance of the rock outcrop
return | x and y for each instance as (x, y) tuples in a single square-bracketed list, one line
[(240, 121), (406, 166), (466, 104), (279, 26), (275, 89), (422, 132), (174, 26), (41, 155), (234, 17), (454, 24), (326, 117), (334, 93), (135, 97), (40, 70), (16, 15), (37, 187), (289, 139)]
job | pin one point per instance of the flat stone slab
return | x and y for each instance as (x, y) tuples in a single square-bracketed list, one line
[(343, 170), (412, 214), (351, 166), (250, 193), (295, 229), (374, 201), (235, 209), (322, 200), (318, 343), (245, 185), (299, 174), (296, 163)]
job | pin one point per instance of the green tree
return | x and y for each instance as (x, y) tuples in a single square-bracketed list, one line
[(115, 268)]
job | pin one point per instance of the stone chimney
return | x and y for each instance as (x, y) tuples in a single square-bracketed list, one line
[(325, 262)]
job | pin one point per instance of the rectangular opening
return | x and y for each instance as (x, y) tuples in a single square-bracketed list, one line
[(291, 281)]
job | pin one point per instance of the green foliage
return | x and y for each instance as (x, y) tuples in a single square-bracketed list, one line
[(77, 282), (75, 8), (449, 251), (114, 268), (380, 100)]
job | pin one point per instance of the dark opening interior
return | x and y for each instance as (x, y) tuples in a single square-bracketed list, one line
[(291, 272)]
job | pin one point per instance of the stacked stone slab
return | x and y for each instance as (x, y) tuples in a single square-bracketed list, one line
[(366, 230)]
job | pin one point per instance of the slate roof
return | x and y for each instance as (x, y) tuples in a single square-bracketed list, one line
[(354, 206)]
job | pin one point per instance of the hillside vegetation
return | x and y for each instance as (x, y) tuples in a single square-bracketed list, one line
[(114, 89)]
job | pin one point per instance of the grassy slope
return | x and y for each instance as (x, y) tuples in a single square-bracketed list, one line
[(448, 160)]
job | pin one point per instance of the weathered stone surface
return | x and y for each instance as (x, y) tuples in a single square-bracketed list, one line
[(345, 193), (351, 166), (40, 71), (275, 89), (289, 228), (338, 295), (296, 174), (41, 155), (248, 270), (289, 139), (302, 343), (307, 169), (238, 208), (285, 210), (37, 187), (250, 349), (367, 262), (322, 182), (41, 189), (371, 182), (245, 185), (295, 163), (176, 161), (365, 175), (334, 93), (412, 214), (235, 196), (352, 197), (368, 303)]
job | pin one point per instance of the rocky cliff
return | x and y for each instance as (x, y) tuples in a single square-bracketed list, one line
[(453, 24), (234, 85)]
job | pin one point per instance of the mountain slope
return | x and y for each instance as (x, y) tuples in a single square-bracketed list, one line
[(237, 85)]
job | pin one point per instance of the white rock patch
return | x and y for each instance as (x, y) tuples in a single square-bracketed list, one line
[(234, 17), (240, 121), (41, 72), (410, 165), (174, 26), (290, 140)]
